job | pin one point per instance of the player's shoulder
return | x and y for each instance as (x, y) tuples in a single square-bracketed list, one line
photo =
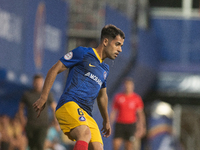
[(28, 92), (105, 64), (83, 49), (135, 95), (78, 52), (118, 95)]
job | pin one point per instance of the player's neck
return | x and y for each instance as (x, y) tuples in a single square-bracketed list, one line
[(128, 93), (99, 50)]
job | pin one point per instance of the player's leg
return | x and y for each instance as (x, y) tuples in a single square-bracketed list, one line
[(117, 142), (30, 132), (95, 146), (74, 123), (41, 136), (118, 136), (129, 136), (82, 135), (96, 142), (128, 145)]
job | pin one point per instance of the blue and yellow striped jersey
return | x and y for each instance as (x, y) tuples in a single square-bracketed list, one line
[(87, 75)]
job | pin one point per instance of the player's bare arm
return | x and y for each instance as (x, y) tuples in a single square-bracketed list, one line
[(102, 101), (113, 115), (53, 108), (141, 124), (50, 78), (22, 117)]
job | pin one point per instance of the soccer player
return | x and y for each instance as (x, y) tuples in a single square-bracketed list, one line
[(86, 81), (128, 115)]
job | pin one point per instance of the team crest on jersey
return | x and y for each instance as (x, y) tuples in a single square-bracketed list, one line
[(68, 56), (82, 118), (105, 75)]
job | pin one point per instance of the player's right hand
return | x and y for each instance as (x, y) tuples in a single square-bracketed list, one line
[(38, 106)]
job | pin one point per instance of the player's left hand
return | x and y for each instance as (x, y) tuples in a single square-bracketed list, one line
[(106, 129), (140, 132)]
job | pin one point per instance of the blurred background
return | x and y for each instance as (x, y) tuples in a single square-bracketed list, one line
[(161, 52)]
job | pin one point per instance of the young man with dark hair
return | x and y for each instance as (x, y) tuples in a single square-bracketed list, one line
[(86, 81)]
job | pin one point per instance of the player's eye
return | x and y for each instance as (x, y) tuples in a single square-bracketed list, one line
[(117, 44)]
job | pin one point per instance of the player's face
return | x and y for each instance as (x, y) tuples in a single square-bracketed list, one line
[(114, 47), (38, 84), (128, 87)]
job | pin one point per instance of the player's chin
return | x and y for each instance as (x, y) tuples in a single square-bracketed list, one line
[(113, 57)]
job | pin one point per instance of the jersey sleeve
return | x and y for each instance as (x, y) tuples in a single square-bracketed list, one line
[(73, 57), (105, 76), (104, 84)]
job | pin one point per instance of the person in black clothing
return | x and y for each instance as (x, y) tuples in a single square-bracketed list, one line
[(36, 128)]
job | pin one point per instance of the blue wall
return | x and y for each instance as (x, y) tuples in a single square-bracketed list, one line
[(179, 48), (32, 39)]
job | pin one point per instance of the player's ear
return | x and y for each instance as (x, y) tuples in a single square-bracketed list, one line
[(105, 42)]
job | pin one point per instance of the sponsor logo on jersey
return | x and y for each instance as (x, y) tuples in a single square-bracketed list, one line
[(93, 77), (82, 118), (91, 65), (87, 74), (68, 56)]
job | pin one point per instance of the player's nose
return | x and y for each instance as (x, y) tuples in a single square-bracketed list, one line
[(120, 49)]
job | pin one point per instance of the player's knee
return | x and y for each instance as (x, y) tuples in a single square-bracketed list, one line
[(87, 133), (81, 133)]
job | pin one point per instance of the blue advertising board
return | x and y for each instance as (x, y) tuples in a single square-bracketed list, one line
[(32, 39), (11, 34), (45, 34)]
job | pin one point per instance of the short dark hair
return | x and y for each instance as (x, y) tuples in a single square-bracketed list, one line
[(111, 31), (37, 76)]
